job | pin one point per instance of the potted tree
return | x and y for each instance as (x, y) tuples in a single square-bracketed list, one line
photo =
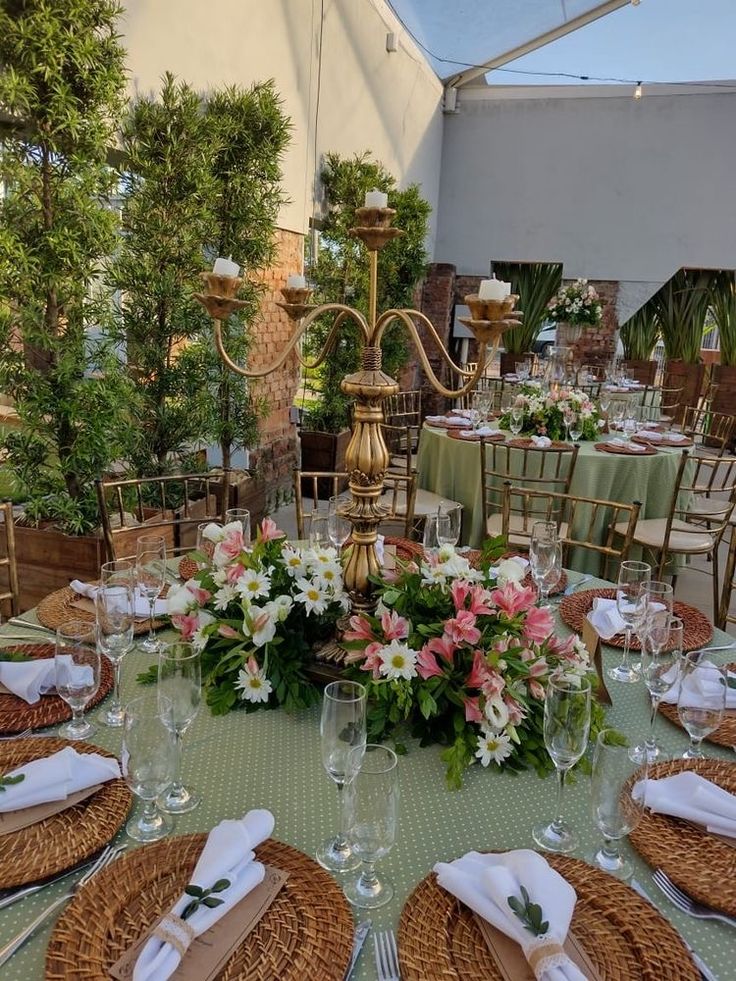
[(639, 335), (535, 283), (723, 308)]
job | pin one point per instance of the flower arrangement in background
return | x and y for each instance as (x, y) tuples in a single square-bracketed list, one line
[(544, 412), (256, 614), (577, 303), (454, 657)]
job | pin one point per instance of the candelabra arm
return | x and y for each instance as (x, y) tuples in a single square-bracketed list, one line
[(388, 316)]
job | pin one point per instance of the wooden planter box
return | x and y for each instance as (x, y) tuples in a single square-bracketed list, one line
[(724, 399), (688, 377), (323, 451), (642, 371)]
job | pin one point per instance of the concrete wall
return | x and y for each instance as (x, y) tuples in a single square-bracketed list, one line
[(615, 188), (389, 103)]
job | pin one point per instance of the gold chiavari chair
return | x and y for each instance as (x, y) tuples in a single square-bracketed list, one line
[(593, 391), (404, 409), (644, 372), (402, 444), (663, 403), (399, 494), (712, 432), (11, 595), (583, 522), (725, 616), (589, 374), (495, 388)]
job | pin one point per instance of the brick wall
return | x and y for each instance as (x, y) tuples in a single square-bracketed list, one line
[(436, 301)]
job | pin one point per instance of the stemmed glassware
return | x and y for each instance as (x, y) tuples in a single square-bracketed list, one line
[(566, 730), (658, 598), (372, 810), (516, 423), (616, 809), (243, 516), (448, 524), (338, 526), (631, 606), (436, 530), (205, 547), (343, 738), (576, 428), (318, 529), (604, 400), (661, 649), (149, 762), (545, 558), (150, 572), (114, 622), (701, 701), (180, 688), (568, 417), (77, 663), (618, 411)]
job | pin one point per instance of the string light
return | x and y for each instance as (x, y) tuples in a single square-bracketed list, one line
[(635, 3), (638, 91)]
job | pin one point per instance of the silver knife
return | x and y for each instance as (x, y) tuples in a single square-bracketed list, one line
[(24, 891), (705, 971), (361, 932), (574, 585)]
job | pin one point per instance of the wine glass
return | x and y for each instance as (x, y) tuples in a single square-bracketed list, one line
[(568, 417), (342, 729), (661, 649), (372, 809), (516, 423), (618, 411), (77, 663), (545, 558), (631, 606), (576, 428), (148, 762), (448, 524), (243, 516), (338, 526), (658, 597), (180, 684), (205, 546), (319, 535), (150, 569), (114, 621), (429, 533), (617, 810), (701, 701), (604, 400), (566, 729)]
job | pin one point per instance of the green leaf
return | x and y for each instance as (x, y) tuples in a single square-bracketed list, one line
[(211, 902), (221, 885), (149, 676), (193, 890)]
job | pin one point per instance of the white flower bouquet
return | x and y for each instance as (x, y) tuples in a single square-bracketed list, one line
[(577, 303)]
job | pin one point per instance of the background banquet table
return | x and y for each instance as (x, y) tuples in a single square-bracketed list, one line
[(271, 759), (450, 467)]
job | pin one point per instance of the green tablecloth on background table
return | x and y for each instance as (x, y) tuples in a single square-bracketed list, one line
[(451, 468), (270, 759)]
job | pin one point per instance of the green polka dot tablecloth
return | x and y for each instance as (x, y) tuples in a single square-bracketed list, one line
[(270, 759)]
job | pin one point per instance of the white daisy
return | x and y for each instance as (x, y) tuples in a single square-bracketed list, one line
[(225, 596), (313, 595), (321, 555), (493, 747), (294, 560), (199, 640), (253, 585), (398, 661), (330, 574), (254, 685)]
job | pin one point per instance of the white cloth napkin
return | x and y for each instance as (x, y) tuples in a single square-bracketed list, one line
[(29, 679), (701, 681), (649, 425), (481, 431), (511, 377), (652, 437), (691, 797), (142, 609), (541, 441), (460, 413), (634, 447), (227, 854), (676, 437), (56, 777), (484, 883), (604, 616)]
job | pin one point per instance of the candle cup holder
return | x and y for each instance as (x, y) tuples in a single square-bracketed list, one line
[(490, 309), (488, 331), (225, 286), (373, 238), (297, 294), (219, 307), (375, 217), (295, 311)]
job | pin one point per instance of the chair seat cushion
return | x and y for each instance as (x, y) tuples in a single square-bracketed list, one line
[(684, 537), (520, 528), (425, 502)]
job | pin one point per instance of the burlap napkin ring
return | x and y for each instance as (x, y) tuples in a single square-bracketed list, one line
[(175, 931), (544, 955)]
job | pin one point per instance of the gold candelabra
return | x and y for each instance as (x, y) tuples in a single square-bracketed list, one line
[(367, 457)]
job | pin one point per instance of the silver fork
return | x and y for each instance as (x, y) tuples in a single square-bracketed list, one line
[(17, 735), (387, 956), (107, 855), (686, 903)]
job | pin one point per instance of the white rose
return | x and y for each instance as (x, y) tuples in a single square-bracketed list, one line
[(179, 600), (213, 532), (509, 570), (496, 712)]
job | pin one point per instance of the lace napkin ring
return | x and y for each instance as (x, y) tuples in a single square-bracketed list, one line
[(544, 956), (175, 931)]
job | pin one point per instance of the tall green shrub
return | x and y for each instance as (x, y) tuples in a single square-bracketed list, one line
[(640, 333), (535, 283), (681, 306), (723, 305), (61, 92)]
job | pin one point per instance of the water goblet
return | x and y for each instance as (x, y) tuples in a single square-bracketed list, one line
[(319, 535), (430, 536), (448, 524), (338, 526), (114, 621), (701, 701), (150, 568), (631, 606), (566, 729), (148, 762), (661, 649), (243, 516), (617, 808), (372, 809), (516, 423), (343, 738), (205, 546), (545, 558), (180, 686), (77, 663)]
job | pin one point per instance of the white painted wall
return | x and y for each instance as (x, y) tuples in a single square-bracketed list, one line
[(616, 189), (389, 103)]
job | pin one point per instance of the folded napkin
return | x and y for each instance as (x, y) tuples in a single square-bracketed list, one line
[(702, 681), (541, 441), (649, 425), (676, 437), (511, 377), (650, 436), (691, 797), (57, 776), (29, 679), (484, 883), (446, 420), (227, 854), (604, 616), (460, 413), (481, 431), (625, 443), (142, 608), (512, 569)]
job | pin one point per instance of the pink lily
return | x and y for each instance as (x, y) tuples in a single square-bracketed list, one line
[(479, 600), (479, 671), (459, 592), (462, 629), (270, 530), (536, 690), (539, 668), (472, 710), (186, 624), (394, 627), (200, 595), (224, 630), (427, 666), (538, 624), (442, 646), (512, 600), (233, 573), (360, 629)]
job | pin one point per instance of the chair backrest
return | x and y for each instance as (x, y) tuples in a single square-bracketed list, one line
[(593, 391), (171, 505), (541, 469), (398, 497), (585, 522), (729, 581), (691, 519), (309, 487), (665, 400), (589, 374), (494, 387), (403, 409), (11, 595), (713, 430)]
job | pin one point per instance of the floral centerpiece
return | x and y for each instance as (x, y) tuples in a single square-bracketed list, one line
[(460, 656), (544, 412), (256, 613), (576, 304)]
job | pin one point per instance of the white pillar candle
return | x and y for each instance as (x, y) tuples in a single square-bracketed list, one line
[(376, 199), (493, 289), (296, 282), (226, 267)]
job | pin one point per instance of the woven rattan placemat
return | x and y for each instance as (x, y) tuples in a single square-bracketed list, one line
[(624, 450), (624, 936), (57, 608), (526, 443), (725, 734), (305, 935), (700, 864), (698, 628), (17, 715), (64, 839)]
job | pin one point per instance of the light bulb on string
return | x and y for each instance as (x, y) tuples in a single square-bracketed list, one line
[(638, 91), (635, 3)]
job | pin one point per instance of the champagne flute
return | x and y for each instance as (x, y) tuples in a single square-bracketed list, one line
[(77, 663), (448, 524), (576, 430), (342, 729), (701, 701), (338, 526), (243, 516), (618, 411), (180, 686), (318, 529), (661, 649), (568, 417), (114, 620), (545, 558), (631, 605), (150, 570), (516, 423), (148, 762), (566, 729), (372, 809), (658, 597), (617, 809), (429, 534)]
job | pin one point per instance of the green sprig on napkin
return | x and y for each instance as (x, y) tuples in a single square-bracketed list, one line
[(529, 913), (15, 656), (10, 781), (204, 897)]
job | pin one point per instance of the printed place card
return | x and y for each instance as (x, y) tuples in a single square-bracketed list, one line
[(11, 821)]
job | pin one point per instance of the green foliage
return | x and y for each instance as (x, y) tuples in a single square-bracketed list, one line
[(529, 913), (341, 275), (61, 89), (640, 333), (203, 897), (681, 306), (8, 781), (723, 305), (535, 283)]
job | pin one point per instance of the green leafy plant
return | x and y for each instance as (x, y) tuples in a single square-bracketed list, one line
[(10, 781), (535, 283), (681, 306), (203, 897), (723, 307), (640, 333), (529, 913)]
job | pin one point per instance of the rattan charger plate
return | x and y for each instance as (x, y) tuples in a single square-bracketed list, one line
[(665, 441), (56, 608), (17, 715), (64, 839), (472, 437), (698, 628), (646, 450), (623, 935), (526, 443), (305, 935), (699, 863), (725, 734)]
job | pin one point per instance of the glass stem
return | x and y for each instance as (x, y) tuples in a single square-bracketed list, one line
[(368, 877), (559, 820), (115, 706), (176, 785), (152, 608), (627, 645), (149, 812), (341, 838), (611, 850), (76, 722), (650, 742)]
